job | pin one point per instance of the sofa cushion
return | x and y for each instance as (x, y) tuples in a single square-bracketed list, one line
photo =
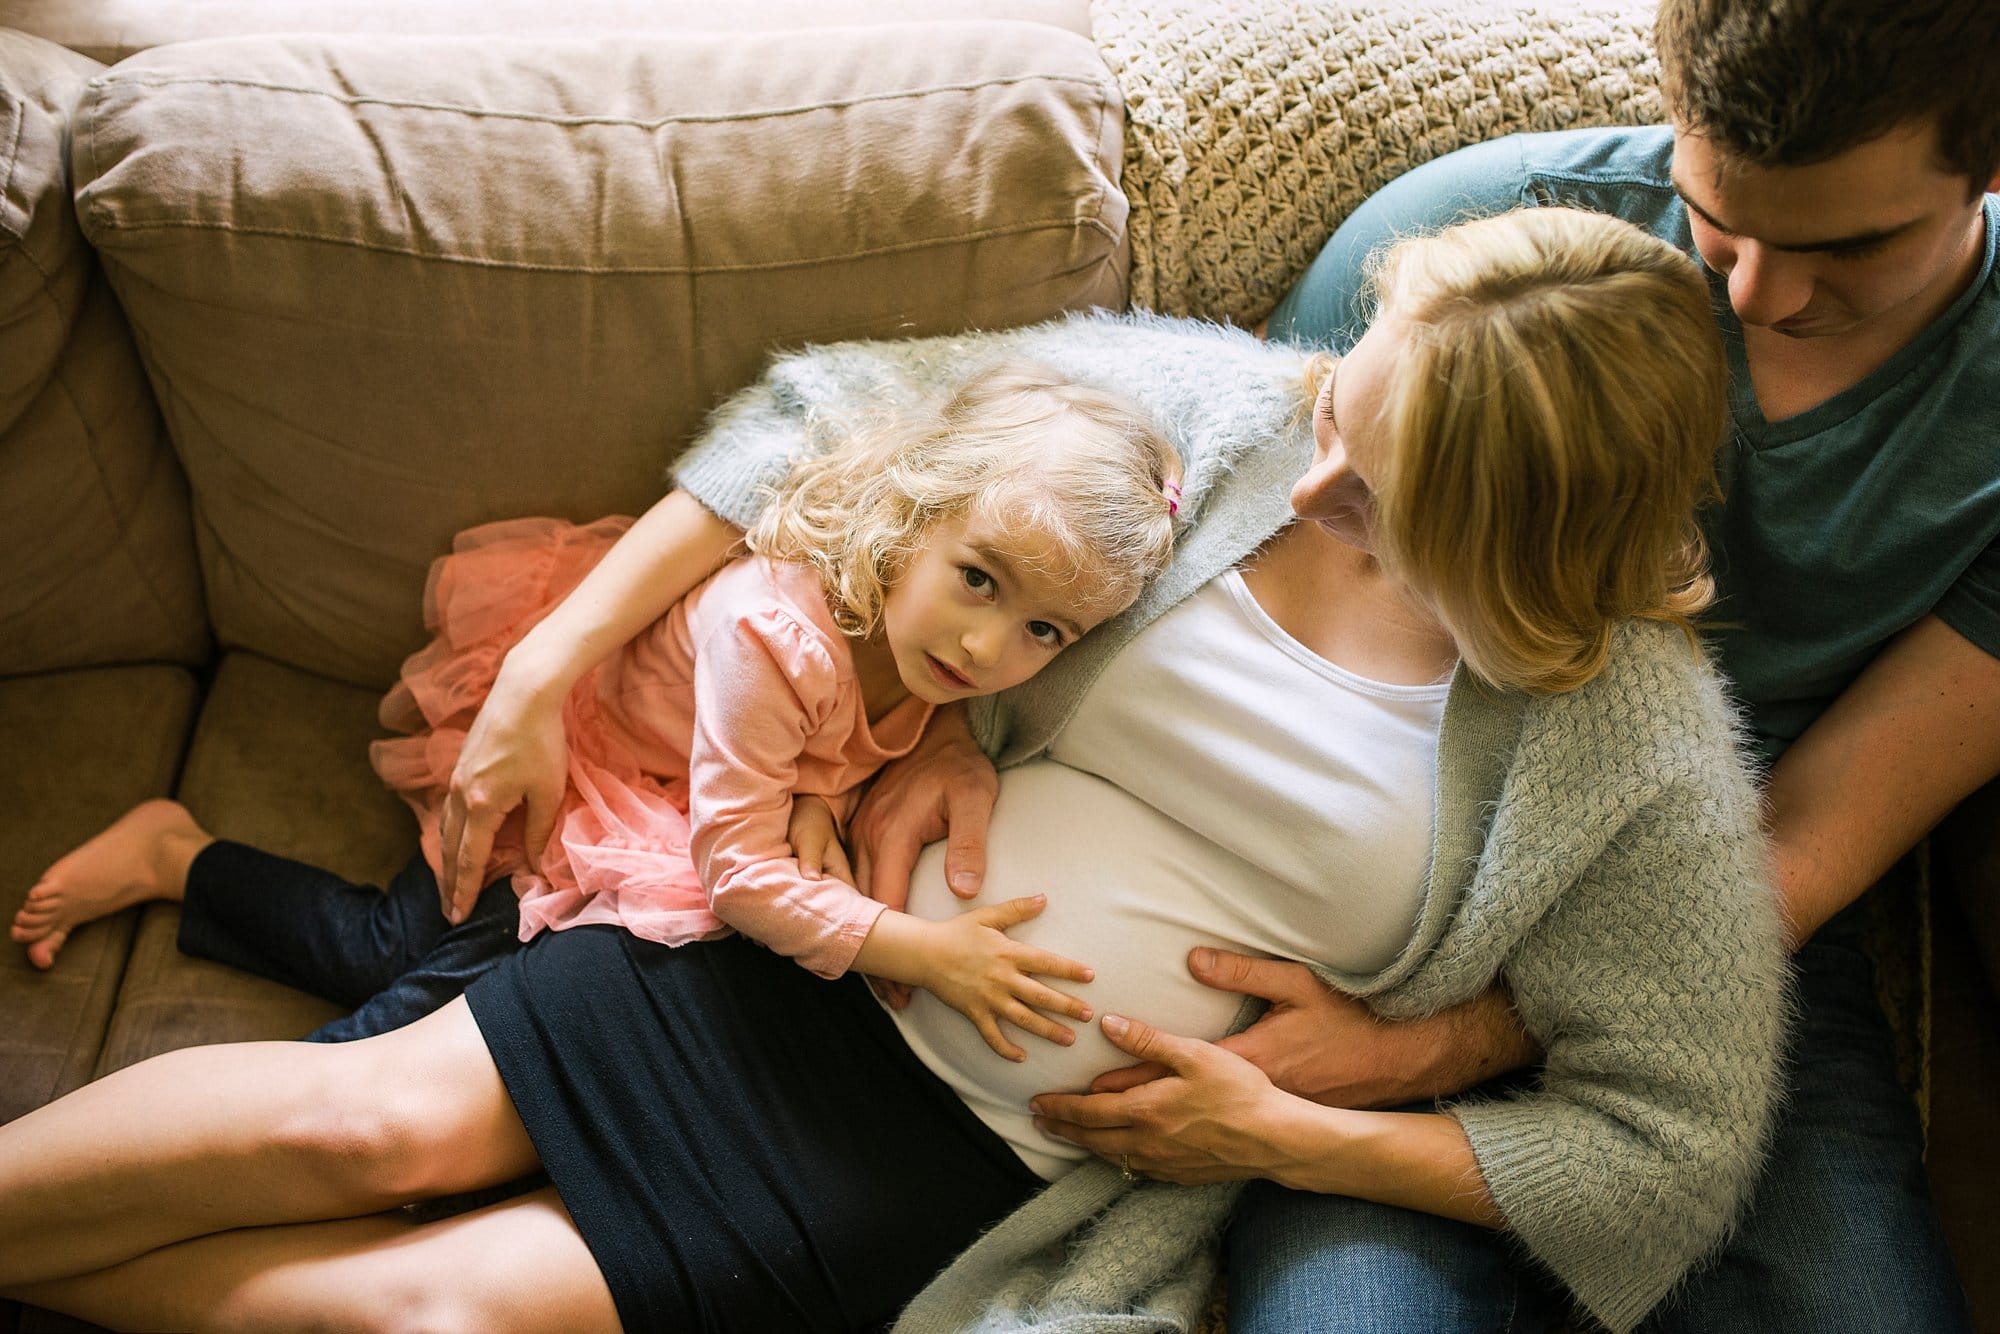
[(391, 287), (111, 30), (94, 530), (279, 761), (82, 748)]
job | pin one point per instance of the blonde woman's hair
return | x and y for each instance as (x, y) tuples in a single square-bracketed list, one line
[(1553, 414), (1083, 470)]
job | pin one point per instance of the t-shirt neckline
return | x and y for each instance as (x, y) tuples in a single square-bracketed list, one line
[(1762, 433)]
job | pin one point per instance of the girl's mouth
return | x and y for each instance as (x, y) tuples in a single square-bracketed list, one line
[(946, 677)]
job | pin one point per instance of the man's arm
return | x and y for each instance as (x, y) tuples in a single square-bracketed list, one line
[(1917, 732)]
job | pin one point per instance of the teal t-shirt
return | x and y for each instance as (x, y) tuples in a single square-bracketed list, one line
[(1840, 526)]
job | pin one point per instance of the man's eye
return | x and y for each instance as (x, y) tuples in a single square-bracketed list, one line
[(1865, 251), (977, 579), (1046, 634)]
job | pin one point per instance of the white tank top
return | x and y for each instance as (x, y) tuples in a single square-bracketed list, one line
[(1220, 784)]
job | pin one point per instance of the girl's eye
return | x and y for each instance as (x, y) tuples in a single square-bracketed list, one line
[(977, 579), (1045, 634)]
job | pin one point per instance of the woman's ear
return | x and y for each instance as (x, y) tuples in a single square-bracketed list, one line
[(1331, 495)]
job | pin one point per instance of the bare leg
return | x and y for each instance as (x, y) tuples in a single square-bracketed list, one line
[(144, 855), (212, 1138), (516, 1266)]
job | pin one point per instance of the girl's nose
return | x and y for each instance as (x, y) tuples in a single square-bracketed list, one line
[(984, 640)]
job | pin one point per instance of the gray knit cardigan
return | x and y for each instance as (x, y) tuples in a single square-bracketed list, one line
[(1597, 851)]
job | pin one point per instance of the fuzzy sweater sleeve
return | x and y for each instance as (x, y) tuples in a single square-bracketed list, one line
[(1655, 984)]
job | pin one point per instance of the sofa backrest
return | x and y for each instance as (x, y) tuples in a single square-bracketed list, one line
[(386, 288), (94, 529)]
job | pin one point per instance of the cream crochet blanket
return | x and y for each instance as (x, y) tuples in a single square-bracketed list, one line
[(1253, 127)]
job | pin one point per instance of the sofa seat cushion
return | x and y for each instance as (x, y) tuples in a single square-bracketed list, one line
[(388, 288), (82, 748), (94, 528), (279, 761)]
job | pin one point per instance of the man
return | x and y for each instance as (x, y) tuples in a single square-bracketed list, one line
[(1829, 163)]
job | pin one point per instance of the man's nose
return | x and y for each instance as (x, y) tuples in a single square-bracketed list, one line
[(1767, 286)]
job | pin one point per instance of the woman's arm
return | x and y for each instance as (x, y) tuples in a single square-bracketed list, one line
[(514, 751), (1216, 1117)]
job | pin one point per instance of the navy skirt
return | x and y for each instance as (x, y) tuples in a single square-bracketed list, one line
[(744, 1146)]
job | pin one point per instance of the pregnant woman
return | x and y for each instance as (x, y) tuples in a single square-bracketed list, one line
[(1273, 750)]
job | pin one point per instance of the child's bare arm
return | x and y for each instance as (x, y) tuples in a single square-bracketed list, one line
[(972, 964)]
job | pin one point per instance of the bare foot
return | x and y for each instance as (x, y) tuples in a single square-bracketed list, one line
[(143, 856)]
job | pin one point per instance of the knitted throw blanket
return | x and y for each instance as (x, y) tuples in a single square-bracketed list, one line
[(1253, 127)]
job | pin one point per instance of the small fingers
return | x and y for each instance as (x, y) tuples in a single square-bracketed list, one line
[(837, 866), (1031, 992), (1053, 965), (1012, 913), (989, 1028), (1034, 1021)]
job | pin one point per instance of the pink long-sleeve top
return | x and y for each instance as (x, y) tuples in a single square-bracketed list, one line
[(685, 747)]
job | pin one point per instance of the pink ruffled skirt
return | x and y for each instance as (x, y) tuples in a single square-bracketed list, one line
[(618, 852)]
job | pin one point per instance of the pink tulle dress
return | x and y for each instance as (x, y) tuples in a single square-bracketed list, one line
[(685, 747)]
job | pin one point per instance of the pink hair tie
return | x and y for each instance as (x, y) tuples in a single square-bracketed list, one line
[(1172, 491)]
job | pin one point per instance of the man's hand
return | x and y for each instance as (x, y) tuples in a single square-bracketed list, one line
[(942, 789), (1333, 1050), (1212, 1116)]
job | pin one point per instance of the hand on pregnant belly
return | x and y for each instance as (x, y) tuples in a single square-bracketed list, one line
[(971, 964), (1212, 1117)]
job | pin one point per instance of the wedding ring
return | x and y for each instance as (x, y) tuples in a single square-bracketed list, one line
[(1125, 1167)]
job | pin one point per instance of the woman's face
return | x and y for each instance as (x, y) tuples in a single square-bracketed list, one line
[(1349, 442)]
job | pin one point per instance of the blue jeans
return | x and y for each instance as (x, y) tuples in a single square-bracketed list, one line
[(390, 957), (1841, 1233)]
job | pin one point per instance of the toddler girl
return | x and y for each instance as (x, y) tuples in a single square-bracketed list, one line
[(913, 565)]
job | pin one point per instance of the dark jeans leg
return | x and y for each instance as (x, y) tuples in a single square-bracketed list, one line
[(1301, 1263), (391, 956), (1842, 1233)]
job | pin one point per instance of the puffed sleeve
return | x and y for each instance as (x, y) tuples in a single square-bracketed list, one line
[(763, 684), (1656, 986)]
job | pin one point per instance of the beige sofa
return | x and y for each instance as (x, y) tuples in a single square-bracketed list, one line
[(291, 293)]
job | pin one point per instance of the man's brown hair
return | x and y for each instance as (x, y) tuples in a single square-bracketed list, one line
[(1793, 82)]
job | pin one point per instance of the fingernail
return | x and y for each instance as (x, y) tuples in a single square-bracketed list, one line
[(1035, 1106), (965, 880), (1114, 1025), (1085, 1016), (1069, 1039), (1204, 959)]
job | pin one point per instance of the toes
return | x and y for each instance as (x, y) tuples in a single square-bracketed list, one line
[(42, 953)]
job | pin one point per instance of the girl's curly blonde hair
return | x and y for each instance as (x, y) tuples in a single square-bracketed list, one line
[(1018, 446)]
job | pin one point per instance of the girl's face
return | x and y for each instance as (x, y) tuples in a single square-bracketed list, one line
[(974, 611), (1349, 442)]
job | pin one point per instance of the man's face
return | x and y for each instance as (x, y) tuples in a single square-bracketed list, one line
[(1878, 233)]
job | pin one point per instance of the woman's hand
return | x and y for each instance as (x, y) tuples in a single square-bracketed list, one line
[(943, 788), (814, 834), (1212, 1116), (972, 964), (513, 755)]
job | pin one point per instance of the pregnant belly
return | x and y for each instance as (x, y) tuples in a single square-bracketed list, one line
[(1130, 892)]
